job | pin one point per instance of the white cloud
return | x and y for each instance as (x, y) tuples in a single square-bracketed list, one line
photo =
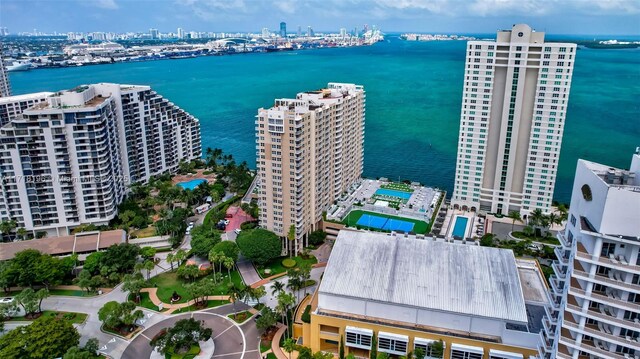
[(286, 6), (512, 7), (211, 9), (105, 4)]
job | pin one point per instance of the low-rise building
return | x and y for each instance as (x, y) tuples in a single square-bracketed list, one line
[(399, 294), (12, 107)]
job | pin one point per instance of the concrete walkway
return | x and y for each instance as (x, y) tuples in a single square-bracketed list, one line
[(275, 343)]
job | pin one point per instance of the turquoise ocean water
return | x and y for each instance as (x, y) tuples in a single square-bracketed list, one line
[(414, 94)]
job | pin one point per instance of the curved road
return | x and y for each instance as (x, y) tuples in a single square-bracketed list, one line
[(232, 341)]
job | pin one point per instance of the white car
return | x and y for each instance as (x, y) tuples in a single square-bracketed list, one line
[(226, 222), (7, 300), (188, 231), (237, 230)]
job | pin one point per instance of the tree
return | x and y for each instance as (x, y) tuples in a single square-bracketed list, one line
[(28, 300), (373, 354), (22, 233), (258, 293), (179, 338), (133, 283), (171, 258), (285, 302), (148, 266), (268, 319), (180, 256), (277, 287), (420, 353), (41, 295), (305, 353), (487, 240), (188, 272), (291, 236), (437, 349), (84, 280), (199, 290), (147, 252), (45, 338), (92, 262), (341, 350), (229, 263), (228, 248), (383, 356), (89, 351), (203, 239), (24, 264), (317, 237), (514, 216), (6, 227), (259, 245), (289, 346), (119, 316)]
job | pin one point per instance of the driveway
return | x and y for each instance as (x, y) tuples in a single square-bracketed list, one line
[(239, 217), (232, 341), (247, 271)]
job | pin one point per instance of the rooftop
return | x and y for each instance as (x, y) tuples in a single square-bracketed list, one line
[(426, 274), (65, 245), (25, 97)]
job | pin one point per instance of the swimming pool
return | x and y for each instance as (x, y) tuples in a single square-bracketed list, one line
[(393, 193), (191, 184), (460, 227)]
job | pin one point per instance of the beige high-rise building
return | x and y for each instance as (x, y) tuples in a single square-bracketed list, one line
[(5, 88), (514, 103), (309, 151)]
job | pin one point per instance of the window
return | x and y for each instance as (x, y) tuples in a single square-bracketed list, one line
[(392, 344), (607, 248), (358, 338)]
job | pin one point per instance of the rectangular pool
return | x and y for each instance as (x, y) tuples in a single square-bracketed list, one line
[(191, 185), (393, 193), (460, 227)]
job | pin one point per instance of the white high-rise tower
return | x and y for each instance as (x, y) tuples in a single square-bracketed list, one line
[(514, 103), (5, 88)]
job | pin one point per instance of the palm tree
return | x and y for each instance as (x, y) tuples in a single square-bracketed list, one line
[(149, 265), (536, 217), (291, 236), (515, 216), (234, 295), (7, 227), (277, 287), (229, 263), (22, 233), (289, 346), (171, 259), (294, 284)]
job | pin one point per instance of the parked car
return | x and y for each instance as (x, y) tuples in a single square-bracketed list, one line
[(237, 230), (226, 222), (7, 300)]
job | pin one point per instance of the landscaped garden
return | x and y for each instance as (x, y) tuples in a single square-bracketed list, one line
[(240, 317), (281, 265), (169, 283), (397, 186)]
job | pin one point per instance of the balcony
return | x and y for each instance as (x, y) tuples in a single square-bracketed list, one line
[(564, 241), (617, 262), (610, 299), (611, 282), (605, 318)]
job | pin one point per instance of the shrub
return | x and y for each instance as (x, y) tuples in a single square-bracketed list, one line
[(306, 315), (288, 263), (259, 245), (207, 172), (317, 237), (248, 225)]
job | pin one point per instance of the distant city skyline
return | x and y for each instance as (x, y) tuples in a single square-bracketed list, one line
[(588, 17)]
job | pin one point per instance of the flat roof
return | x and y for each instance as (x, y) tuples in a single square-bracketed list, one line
[(29, 96), (458, 278), (56, 246)]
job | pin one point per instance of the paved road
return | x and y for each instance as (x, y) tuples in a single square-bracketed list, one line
[(231, 341)]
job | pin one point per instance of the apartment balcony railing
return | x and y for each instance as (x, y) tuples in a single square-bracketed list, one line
[(617, 284), (605, 318), (610, 299)]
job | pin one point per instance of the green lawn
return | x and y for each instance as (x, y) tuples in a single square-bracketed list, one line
[(72, 293), (145, 301), (195, 350), (71, 317), (277, 267), (169, 282), (144, 232), (210, 304), (419, 227)]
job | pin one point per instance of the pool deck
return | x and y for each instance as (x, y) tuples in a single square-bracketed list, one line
[(211, 178), (472, 225)]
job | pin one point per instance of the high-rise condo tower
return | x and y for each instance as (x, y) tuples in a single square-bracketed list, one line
[(514, 104)]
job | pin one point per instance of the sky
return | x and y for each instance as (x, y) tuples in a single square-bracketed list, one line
[(589, 17)]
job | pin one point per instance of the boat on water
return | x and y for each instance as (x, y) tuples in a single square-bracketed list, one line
[(18, 66)]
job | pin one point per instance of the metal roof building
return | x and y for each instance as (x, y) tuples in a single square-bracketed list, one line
[(462, 290), (465, 279)]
